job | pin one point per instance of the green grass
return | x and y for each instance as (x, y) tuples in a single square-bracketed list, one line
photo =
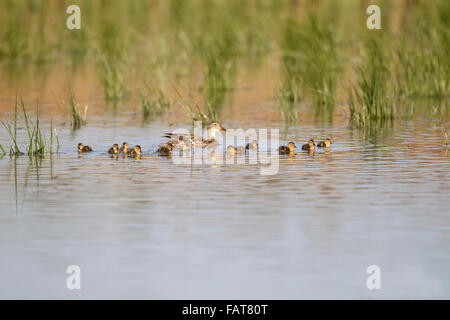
[(153, 103), (76, 119), (37, 143), (371, 101)]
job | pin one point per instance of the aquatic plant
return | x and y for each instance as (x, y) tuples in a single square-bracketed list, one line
[(153, 103), (77, 120), (370, 100), (37, 143), (287, 101)]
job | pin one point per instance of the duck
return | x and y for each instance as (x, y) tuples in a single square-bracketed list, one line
[(289, 149), (124, 148), (194, 141), (164, 150), (136, 151), (114, 149), (251, 146), (309, 146), (82, 148), (324, 144), (234, 150)]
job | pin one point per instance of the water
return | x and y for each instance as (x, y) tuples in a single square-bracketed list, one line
[(147, 228)]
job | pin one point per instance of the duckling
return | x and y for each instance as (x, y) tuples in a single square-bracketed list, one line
[(309, 146), (234, 150), (252, 145), (324, 144), (114, 149), (164, 150), (82, 148), (287, 150), (136, 151), (124, 148)]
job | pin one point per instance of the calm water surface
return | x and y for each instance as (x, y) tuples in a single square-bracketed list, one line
[(148, 228)]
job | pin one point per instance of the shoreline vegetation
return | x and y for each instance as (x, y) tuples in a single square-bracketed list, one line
[(189, 55)]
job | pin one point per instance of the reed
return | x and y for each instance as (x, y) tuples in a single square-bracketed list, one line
[(76, 119), (370, 100), (153, 103)]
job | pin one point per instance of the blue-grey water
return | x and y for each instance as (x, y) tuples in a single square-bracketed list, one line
[(148, 228)]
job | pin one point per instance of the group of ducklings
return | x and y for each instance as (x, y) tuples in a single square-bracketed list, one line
[(184, 142), (310, 146), (136, 151)]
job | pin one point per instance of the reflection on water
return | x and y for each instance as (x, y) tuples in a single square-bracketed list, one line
[(147, 228)]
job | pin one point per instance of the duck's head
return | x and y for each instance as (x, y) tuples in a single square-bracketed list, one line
[(213, 128), (327, 142), (291, 146), (137, 149), (311, 143), (125, 145), (80, 146), (231, 150)]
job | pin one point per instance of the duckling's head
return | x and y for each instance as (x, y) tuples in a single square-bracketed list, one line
[(291, 146), (231, 150), (311, 143), (137, 149), (80, 146), (125, 145), (213, 128), (252, 145), (327, 142)]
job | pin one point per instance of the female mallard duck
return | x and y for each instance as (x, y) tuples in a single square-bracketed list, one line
[(309, 146), (114, 149), (192, 140), (234, 150), (136, 151), (82, 148), (124, 148), (289, 149), (324, 144), (252, 145)]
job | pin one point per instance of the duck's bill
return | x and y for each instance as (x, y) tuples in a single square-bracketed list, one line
[(222, 129)]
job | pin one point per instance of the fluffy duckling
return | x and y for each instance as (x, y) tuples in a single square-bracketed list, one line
[(82, 148), (309, 146), (164, 150), (289, 149), (252, 145), (325, 144), (234, 150), (124, 148), (136, 151), (114, 149)]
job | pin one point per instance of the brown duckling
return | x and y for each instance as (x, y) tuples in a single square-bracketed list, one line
[(234, 150), (114, 149), (251, 146), (309, 146), (82, 148), (164, 150), (136, 151), (124, 148), (325, 144), (289, 149)]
